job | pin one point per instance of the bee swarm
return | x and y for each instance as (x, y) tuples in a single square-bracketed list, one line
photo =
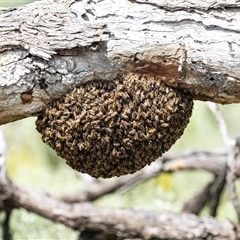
[(114, 128)]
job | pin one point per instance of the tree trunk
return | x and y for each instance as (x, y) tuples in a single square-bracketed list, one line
[(48, 47)]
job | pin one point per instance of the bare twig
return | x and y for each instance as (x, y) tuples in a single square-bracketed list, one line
[(211, 194), (6, 228), (3, 175), (233, 151), (197, 202), (215, 192), (98, 189), (231, 175), (211, 161), (4, 190), (221, 123)]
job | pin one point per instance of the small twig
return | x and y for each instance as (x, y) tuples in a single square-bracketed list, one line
[(146, 173), (197, 202), (221, 123), (3, 175), (98, 189), (233, 152), (216, 192), (231, 175), (95, 190), (210, 193), (6, 228), (4, 184)]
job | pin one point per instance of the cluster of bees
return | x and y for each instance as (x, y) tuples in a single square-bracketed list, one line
[(114, 128)]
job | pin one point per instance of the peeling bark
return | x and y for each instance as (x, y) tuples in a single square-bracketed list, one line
[(48, 47)]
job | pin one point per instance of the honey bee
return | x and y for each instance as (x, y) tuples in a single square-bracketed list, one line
[(124, 116), (112, 124), (95, 92), (169, 118), (123, 151), (93, 134), (69, 122), (155, 124), (152, 130), (127, 111), (165, 125), (183, 105), (86, 126), (108, 130), (146, 88), (82, 115), (152, 116), (113, 114), (125, 140), (95, 122), (159, 135), (124, 124), (142, 129), (171, 95), (170, 108), (135, 124), (107, 118), (152, 95), (176, 101), (81, 147), (49, 133), (132, 132), (114, 152)]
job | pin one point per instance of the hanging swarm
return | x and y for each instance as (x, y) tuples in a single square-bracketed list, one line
[(114, 128)]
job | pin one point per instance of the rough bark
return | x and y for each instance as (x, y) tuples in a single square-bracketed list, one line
[(48, 47), (122, 223)]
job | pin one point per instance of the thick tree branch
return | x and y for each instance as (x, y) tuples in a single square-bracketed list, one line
[(123, 223), (48, 47)]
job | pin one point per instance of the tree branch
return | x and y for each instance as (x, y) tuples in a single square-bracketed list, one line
[(197, 202), (231, 175), (214, 162), (6, 226), (233, 147), (123, 223)]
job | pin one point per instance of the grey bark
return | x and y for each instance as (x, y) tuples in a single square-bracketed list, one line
[(48, 47), (132, 224)]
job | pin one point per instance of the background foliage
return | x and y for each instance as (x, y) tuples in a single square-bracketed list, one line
[(34, 165)]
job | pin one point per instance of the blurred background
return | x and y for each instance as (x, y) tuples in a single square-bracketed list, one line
[(14, 3), (34, 165)]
